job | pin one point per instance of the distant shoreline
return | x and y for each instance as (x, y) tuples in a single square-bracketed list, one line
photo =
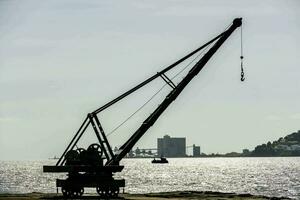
[(218, 156)]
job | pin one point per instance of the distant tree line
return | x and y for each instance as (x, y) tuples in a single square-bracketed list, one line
[(287, 146)]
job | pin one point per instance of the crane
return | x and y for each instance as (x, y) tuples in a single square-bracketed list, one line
[(95, 166)]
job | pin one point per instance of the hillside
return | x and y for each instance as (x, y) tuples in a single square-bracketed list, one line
[(287, 146)]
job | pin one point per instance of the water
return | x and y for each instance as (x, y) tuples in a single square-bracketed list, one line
[(263, 176)]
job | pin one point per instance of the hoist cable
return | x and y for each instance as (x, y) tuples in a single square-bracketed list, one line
[(241, 40), (190, 62), (242, 56), (130, 116), (152, 97)]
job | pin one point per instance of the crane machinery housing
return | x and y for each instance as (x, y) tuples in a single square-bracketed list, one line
[(95, 166)]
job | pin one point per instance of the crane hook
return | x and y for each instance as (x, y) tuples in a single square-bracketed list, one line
[(242, 76), (242, 70)]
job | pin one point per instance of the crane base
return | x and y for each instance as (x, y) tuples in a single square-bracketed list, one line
[(87, 176), (105, 186)]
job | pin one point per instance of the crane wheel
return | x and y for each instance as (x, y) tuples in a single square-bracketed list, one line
[(65, 192), (95, 148), (114, 191), (107, 192), (103, 192), (72, 192)]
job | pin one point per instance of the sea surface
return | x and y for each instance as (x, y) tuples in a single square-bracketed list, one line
[(263, 176)]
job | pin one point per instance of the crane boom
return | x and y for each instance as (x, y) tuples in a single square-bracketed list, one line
[(127, 146), (86, 168), (93, 120), (125, 94)]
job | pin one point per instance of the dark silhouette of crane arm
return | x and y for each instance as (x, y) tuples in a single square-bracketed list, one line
[(93, 114), (125, 94), (128, 145)]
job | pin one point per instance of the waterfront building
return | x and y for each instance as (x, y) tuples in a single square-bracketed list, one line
[(196, 151), (171, 147)]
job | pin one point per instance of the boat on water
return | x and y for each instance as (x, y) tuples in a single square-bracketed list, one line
[(54, 158), (160, 160)]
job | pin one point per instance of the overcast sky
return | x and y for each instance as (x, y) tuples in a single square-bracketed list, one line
[(61, 59)]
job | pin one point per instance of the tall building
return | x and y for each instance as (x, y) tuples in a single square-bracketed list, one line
[(196, 151), (171, 147)]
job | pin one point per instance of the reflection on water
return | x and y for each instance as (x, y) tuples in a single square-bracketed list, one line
[(264, 176)]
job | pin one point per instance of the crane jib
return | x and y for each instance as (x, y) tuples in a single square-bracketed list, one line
[(155, 76), (86, 168), (125, 148)]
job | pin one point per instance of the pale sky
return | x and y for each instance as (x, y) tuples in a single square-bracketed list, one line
[(61, 59)]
